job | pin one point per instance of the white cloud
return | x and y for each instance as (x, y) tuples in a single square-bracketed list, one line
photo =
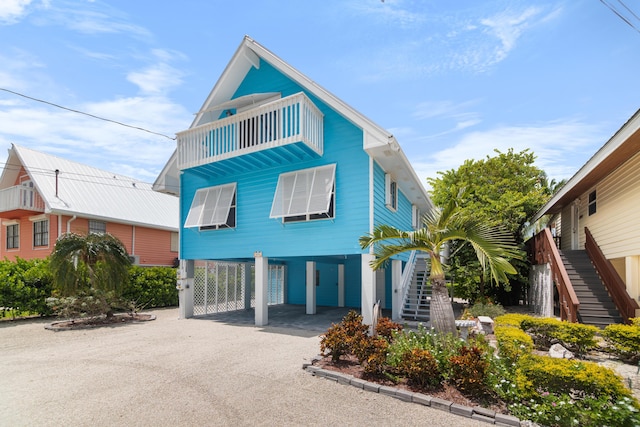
[(455, 42), (160, 77), (390, 12), (12, 11), (560, 147), (91, 18)]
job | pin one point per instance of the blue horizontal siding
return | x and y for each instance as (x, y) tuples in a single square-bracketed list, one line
[(401, 217), (254, 230)]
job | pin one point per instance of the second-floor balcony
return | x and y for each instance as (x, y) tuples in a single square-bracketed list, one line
[(293, 123), (20, 197)]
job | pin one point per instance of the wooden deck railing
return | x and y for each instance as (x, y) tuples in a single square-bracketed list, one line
[(285, 121), (542, 250), (611, 279)]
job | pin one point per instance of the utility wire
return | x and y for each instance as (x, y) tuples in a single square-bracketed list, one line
[(87, 114), (614, 10)]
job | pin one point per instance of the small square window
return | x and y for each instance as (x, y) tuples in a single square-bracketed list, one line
[(97, 227)]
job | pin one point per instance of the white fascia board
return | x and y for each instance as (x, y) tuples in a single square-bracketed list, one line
[(629, 128), (111, 220)]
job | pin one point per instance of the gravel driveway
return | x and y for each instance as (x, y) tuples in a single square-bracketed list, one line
[(188, 372)]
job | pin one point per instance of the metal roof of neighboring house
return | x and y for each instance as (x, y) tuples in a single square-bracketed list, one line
[(378, 142), (88, 192), (615, 152)]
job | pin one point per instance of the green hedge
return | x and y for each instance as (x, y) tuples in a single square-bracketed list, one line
[(576, 337), (26, 284), (624, 341), (24, 287), (151, 287)]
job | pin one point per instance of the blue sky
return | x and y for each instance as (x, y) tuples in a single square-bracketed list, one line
[(451, 80)]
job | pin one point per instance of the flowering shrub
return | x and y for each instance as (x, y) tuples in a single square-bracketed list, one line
[(511, 319), (624, 341), (513, 343), (576, 337)]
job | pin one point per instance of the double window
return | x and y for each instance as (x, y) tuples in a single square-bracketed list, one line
[(41, 233), (305, 195), (213, 208), (13, 236)]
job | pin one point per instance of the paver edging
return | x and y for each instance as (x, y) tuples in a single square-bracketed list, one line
[(477, 413)]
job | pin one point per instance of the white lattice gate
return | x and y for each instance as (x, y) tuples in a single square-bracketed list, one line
[(219, 286)]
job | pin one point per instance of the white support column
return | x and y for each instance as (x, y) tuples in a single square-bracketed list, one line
[(262, 278), (340, 285), (396, 289), (246, 285), (632, 278), (311, 287), (185, 288), (368, 291)]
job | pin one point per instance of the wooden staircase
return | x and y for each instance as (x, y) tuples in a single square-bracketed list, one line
[(596, 305), (417, 303)]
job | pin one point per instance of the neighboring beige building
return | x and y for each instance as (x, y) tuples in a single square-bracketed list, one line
[(604, 197)]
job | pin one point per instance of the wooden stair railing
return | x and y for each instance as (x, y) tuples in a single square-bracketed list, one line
[(626, 305), (542, 250)]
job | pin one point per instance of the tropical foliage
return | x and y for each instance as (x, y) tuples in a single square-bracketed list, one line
[(492, 246), (505, 190)]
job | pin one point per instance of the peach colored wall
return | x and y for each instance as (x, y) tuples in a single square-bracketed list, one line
[(27, 250), (153, 246)]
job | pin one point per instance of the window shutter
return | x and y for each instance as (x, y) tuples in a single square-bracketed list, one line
[(304, 192), (210, 206)]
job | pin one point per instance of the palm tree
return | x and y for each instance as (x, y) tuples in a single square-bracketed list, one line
[(493, 246), (95, 262)]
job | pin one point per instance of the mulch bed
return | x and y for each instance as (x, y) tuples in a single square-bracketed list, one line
[(350, 366), (93, 322)]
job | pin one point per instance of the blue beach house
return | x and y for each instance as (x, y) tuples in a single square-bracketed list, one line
[(277, 180)]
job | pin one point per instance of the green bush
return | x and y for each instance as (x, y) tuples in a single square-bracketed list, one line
[(489, 309), (24, 287), (511, 319), (624, 341), (576, 337), (151, 287), (89, 303), (635, 321), (560, 392), (513, 342)]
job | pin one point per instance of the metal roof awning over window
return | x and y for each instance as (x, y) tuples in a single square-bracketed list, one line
[(210, 206), (304, 192)]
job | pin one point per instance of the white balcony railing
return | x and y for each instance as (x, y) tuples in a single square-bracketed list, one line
[(20, 197), (286, 121)]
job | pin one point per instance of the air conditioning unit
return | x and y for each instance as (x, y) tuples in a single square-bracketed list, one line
[(135, 259)]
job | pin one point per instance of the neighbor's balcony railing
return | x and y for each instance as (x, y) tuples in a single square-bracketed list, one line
[(20, 197), (289, 120)]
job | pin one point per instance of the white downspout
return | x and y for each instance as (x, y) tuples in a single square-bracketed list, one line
[(133, 240), (73, 218), (59, 225)]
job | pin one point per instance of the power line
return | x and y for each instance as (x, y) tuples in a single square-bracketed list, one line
[(87, 114), (620, 15)]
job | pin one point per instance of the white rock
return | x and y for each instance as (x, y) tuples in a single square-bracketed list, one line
[(559, 352)]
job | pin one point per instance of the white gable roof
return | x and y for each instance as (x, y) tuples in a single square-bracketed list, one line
[(379, 143), (89, 192)]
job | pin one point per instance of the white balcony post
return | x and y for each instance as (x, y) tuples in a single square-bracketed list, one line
[(368, 292), (396, 289)]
